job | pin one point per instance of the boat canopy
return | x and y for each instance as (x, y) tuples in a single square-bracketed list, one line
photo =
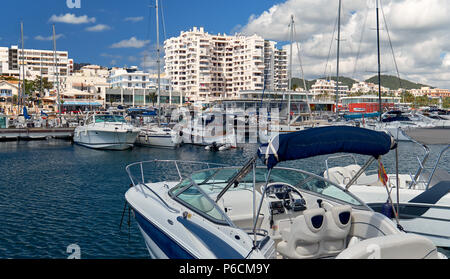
[(361, 115), (325, 140)]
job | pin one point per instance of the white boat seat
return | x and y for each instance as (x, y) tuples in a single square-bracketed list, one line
[(302, 240), (343, 175), (362, 227), (394, 246), (337, 228)]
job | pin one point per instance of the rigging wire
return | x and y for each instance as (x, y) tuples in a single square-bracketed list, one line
[(162, 19), (329, 50), (360, 41), (303, 77), (147, 52), (390, 44)]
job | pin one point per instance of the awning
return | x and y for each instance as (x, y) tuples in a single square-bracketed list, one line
[(325, 140), (73, 103)]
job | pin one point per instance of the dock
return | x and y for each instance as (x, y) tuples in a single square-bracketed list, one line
[(9, 134)]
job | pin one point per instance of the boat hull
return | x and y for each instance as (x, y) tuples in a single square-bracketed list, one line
[(164, 141), (109, 140), (428, 220)]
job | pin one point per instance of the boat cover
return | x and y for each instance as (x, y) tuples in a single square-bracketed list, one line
[(325, 140), (361, 115)]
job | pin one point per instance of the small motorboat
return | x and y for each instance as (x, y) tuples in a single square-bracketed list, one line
[(201, 210)]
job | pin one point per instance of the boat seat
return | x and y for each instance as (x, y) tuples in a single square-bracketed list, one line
[(394, 246), (236, 206), (368, 224), (337, 228), (343, 175), (302, 240)]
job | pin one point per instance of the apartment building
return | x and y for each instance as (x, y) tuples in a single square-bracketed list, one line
[(90, 79), (327, 89), (368, 87), (207, 67), (430, 92), (133, 78), (36, 63)]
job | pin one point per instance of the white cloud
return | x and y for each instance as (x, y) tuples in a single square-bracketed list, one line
[(72, 19), (49, 38), (134, 19), (130, 43), (418, 30), (98, 28)]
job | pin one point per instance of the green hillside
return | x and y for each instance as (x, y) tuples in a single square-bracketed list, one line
[(392, 82)]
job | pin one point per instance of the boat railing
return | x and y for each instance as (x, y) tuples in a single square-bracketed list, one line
[(339, 157), (165, 170), (443, 151)]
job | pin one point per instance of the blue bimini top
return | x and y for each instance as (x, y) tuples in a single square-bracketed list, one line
[(325, 140)]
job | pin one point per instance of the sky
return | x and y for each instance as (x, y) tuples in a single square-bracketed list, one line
[(123, 33)]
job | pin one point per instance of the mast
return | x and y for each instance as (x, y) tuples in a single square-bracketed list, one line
[(337, 58), (380, 110), (290, 71), (56, 72), (158, 62), (22, 91)]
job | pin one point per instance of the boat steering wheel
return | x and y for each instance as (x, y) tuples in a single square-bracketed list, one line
[(283, 191)]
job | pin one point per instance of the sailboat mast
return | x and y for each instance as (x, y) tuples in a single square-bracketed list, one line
[(56, 72), (290, 71), (337, 57), (380, 110), (158, 61), (22, 91)]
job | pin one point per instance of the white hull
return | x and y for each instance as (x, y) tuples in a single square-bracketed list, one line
[(156, 141), (429, 220), (101, 139)]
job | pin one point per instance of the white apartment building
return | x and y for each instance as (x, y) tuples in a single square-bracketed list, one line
[(327, 88), (90, 79), (430, 92), (368, 87), (36, 63), (133, 78), (205, 67)]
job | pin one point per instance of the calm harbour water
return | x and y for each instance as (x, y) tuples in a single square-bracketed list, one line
[(54, 194)]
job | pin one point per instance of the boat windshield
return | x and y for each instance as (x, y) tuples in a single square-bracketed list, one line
[(188, 193), (212, 182), (109, 118)]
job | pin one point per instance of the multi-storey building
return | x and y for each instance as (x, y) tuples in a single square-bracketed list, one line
[(130, 86), (90, 79), (207, 67), (327, 89), (430, 92), (36, 63), (363, 87)]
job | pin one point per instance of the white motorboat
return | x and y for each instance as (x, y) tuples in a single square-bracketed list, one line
[(207, 129), (422, 201), (203, 210), (106, 131), (396, 123), (158, 136)]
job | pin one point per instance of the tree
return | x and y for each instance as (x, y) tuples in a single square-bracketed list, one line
[(153, 97), (446, 102)]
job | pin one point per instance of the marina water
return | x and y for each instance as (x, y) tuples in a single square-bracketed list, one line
[(55, 195)]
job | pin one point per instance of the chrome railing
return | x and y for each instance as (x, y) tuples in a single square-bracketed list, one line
[(164, 170)]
